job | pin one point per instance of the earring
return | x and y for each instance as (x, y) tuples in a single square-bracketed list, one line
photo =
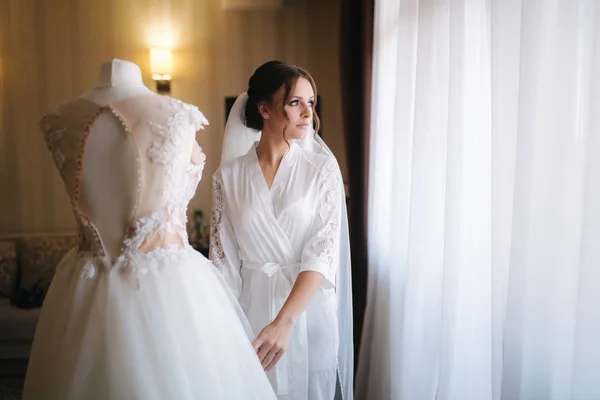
[(266, 116)]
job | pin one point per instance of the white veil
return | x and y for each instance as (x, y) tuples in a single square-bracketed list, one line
[(238, 138), (237, 141)]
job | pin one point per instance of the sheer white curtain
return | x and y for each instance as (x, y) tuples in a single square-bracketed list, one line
[(484, 220)]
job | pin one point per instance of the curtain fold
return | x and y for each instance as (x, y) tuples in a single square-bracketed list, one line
[(484, 203), (356, 50)]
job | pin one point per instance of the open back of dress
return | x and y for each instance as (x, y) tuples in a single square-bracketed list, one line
[(130, 178)]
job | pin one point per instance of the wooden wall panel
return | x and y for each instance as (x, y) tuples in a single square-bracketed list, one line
[(51, 52)]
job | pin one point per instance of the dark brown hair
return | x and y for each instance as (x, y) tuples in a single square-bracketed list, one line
[(267, 80)]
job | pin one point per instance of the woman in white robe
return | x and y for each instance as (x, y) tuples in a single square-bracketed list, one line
[(279, 236)]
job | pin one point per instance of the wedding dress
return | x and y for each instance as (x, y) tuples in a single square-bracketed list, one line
[(134, 312)]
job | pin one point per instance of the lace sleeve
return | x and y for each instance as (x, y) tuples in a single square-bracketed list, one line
[(223, 245), (320, 253)]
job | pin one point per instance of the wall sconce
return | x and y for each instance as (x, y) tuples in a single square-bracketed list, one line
[(161, 65)]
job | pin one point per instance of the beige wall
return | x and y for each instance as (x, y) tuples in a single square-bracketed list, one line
[(51, 51)]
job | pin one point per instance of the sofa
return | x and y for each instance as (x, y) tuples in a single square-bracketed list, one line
[(27, 265)]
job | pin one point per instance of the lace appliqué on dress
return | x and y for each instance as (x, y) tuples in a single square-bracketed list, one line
[(167, 152), (198, 120), (173, 133), (53, 137), (217, 254)]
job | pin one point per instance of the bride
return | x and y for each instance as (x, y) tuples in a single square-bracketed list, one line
[(279, 235)]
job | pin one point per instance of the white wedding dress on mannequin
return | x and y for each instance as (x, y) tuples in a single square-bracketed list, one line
[(134, 312)]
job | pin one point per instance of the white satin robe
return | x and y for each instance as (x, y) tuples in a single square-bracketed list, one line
[(262, 238)]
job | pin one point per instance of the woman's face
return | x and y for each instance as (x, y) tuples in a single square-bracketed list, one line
[(299, 110)]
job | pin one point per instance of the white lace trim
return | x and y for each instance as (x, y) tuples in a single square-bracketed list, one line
[(198, 120), (329, 212), (167, 150), (217, 254), (136, 262), (172, 134)]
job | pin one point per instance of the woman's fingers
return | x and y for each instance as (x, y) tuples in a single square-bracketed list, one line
[(275, 360), (267, 347), (257, 343), (269, 358), (263, 351)]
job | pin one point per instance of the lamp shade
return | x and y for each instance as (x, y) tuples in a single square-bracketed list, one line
[(161, 63)]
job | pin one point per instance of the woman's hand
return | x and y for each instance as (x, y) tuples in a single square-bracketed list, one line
[(272, 342)]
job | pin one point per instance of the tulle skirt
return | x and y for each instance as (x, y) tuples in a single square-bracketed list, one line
[(165, 327)]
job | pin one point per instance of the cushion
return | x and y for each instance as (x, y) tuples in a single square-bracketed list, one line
[(39, 257), (8, 268)]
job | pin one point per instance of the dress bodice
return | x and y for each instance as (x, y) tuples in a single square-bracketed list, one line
[(151, 178)]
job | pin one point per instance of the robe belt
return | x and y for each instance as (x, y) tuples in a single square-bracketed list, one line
[(280, 287)]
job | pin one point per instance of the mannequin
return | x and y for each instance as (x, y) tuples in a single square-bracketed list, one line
[(118, 80)]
